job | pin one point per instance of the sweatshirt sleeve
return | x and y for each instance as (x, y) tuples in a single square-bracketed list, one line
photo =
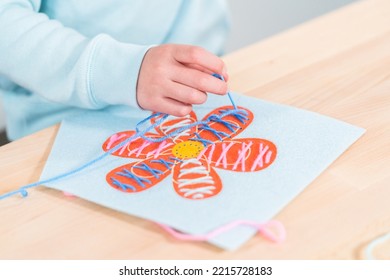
[(62, 65)]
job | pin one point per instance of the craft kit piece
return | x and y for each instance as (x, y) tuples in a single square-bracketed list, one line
[(197, 173)]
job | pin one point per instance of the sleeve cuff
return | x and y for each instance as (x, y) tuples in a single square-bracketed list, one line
[(113, 72)]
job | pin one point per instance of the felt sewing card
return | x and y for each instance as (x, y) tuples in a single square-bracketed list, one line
[(217, 165)]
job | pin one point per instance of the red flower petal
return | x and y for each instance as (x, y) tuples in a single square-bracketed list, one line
[(173, 123), (195, 179), (241, 155), (141, 175), (137, 148), (226, 127)]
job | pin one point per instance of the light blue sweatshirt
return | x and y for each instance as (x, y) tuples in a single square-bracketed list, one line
[(61, 57)]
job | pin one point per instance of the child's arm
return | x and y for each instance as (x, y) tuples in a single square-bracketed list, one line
[(64, 66), (61, 64)]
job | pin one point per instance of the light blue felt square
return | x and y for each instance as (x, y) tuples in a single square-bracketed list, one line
[(307, 144)]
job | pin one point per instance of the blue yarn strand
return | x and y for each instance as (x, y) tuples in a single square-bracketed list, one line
[(228, 93), (139, 133), (23, 190)]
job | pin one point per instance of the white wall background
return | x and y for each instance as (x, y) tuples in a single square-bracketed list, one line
[(253, 20)]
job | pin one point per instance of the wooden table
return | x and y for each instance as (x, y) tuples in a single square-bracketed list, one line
[(337, 65)]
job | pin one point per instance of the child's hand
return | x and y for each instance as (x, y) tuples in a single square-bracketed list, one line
[(173, 77)]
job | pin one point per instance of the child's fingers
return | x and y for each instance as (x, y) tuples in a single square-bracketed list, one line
[(205, 70), (198, 67), (185, 94), (199, 80), (173, 107), (199, 56)]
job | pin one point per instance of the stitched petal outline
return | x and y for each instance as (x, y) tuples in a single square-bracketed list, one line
[(141, 175), (227, 127), (173, 123), (137, 148), (241, 155), (196, 179)]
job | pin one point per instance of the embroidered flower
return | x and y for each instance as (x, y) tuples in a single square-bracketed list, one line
[(191, 155)]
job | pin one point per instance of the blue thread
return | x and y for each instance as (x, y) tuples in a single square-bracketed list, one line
[(161, 120), (140, 181), (217, 133), (23, 190), (198, 123), (139, 133), (241, 115), (205, 142), (123, 186), (228, 93), (145, 167), (175, 159), (167, 164), (173, 133), (231, 126)]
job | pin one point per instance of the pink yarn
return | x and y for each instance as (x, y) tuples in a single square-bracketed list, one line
[(69, 194), (263, 229)]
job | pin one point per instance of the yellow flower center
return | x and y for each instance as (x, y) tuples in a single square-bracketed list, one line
[(187, 149)]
